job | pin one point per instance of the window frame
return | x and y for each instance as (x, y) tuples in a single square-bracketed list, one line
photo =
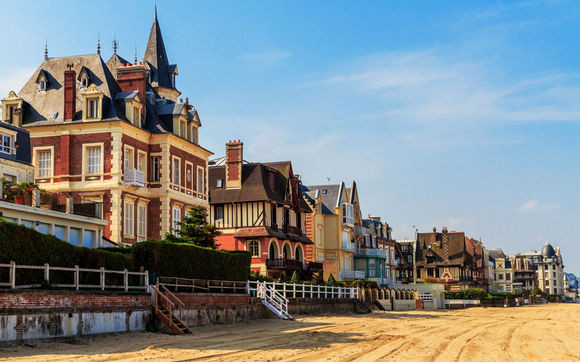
[(93, 101), (174, 230), (86, 156), (156, 168), (197, 183), (250, 248), (129, 223), (173, 173), (35, 155), (141, 221), (11, 147)]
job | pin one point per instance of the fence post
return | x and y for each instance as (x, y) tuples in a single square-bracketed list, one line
[(102, 278), (293, 290), (325, 292), (77, 277), (12, 274), (47, 272), (284, 288), (146, 280), (126, 280)]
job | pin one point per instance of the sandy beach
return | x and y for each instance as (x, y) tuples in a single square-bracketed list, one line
[(546, 332)]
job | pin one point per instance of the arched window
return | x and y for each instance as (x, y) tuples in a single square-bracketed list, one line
[(254, 248), (298, 254), (273, 250), (287, 252)]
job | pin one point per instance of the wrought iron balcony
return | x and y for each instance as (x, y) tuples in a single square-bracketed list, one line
[(315, 267), (289, 264)]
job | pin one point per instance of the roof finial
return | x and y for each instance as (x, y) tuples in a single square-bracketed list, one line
[(115, 44), (99, 43), (155, 10), (135, 55), (46, 48)]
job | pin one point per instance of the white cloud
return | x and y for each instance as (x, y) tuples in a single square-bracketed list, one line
[(535, 206), (438, 85), (268, 56)]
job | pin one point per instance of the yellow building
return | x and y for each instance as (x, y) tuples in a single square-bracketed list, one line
[(331, 226)]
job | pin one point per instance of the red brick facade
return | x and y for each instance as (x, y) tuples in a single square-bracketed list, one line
[(44, 299)]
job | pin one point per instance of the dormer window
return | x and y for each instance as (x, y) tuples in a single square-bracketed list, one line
[(173, 80), (137, 115), (42, 85), (84, 77), (93, 108), (42, 80), (92, 99), (84, 82)]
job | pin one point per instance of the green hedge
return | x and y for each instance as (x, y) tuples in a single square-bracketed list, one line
[(469, 293), (191, 261), (26, 246)]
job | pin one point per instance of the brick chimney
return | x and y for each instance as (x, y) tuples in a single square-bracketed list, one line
[(445, 241), (131, 78), (70, 94), (234, 162)]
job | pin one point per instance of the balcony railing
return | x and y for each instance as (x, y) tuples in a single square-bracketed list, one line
[(49, 201), (134, 177), (284, 264), (380, 253), (359, 230), (352, 274), (347, 245)]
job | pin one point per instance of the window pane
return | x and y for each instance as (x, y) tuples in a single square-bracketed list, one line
[(43, 228), (59, 232), (74, 236), (200, 180), (44, 163), (88, 238), (93, 160)]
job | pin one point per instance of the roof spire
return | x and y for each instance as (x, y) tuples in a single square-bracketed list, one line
[(135, 55), (46, 48), (156, 56), (155, 11), (115, 44), (99, 43)]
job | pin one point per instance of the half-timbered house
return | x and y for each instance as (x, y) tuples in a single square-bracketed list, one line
[(259, 207)]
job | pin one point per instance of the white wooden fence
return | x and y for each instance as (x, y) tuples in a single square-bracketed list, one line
[(464, 302), (289, 290), (76, 274), (204, 285)]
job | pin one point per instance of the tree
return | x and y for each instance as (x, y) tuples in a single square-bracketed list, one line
[(331, 281), (537, 291), (319, 279), (295, 278), (194, 229)]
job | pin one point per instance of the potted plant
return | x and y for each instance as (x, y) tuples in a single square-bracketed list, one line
[(22, 191)]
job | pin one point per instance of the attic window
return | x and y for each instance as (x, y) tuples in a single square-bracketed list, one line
[(220, 183), (324, 192), (42, 85), (54, 115), (84, 82)]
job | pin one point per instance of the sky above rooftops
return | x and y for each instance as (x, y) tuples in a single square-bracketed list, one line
[(458, 115)]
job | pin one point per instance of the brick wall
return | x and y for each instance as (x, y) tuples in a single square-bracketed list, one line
[(196, 161), (214, 299), (47, 299)]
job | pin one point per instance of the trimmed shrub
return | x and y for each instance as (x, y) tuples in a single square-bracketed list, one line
[(27, 246), (469, 293), (191, 261)]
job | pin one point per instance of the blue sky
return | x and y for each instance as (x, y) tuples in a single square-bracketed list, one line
[(445, 113)]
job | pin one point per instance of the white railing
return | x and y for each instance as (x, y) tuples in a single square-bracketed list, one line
[(134, 177), (464, 302), (382, 253), (76, 276), (351, 274), (347, 245), (289, 290), (274, 298)]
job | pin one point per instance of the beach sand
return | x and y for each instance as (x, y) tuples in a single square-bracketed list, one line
[(531, 333)]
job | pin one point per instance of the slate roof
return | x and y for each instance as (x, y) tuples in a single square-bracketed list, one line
[(330, 195), (41, 106), (457, 251), (256, 185), (156, 57)]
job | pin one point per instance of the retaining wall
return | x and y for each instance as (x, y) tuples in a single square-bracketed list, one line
[(43, 315)]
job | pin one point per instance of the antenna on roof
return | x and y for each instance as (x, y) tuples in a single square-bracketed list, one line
[(99, 43), (46, 48)]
